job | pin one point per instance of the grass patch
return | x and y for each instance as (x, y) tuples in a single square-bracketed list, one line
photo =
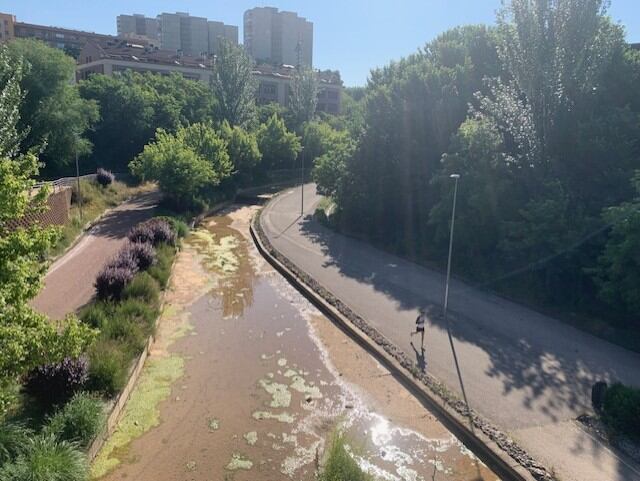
[(340, 465), (161, 270), (96, 200), (80, 420)]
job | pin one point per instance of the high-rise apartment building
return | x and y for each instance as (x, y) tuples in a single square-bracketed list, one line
[(179, 31), (278, 37), (138, 25)]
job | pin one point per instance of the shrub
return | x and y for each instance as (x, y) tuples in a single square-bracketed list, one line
[(162, 268), (13, 439), (137, 311), (142, 252), (96, 314), (340, 466), (621, 410), (55, 383), (144, 287), (180, 228), (124, 259), (47, 459), (108, 367), (80, 420), (127, 332), (111, 281), (162, 232), (104, 177), (141, 233)]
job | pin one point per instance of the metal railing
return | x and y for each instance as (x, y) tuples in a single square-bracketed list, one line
[(63, 182)]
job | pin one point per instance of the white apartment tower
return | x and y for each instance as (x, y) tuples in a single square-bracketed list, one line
[(275, 37), (180, 32)]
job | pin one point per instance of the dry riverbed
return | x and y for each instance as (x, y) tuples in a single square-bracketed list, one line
[(247, 381)]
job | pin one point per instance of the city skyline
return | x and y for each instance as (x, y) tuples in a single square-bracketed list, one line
[(336, 24)]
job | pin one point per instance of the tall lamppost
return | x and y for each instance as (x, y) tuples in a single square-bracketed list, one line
[(302, 185), (455, 177), (77, 138)]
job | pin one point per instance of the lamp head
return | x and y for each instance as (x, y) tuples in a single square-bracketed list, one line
[(454, 176)]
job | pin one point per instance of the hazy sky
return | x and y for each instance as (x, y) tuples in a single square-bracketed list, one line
[(352, 36)]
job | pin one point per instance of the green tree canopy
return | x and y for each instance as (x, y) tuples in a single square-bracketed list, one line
[(233, 85), (304, 96), (52, 114), (242, 147), (134, 105), (278, 146), (185, 164), (27, 338)]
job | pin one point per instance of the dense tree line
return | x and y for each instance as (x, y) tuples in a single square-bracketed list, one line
[(540, 116)]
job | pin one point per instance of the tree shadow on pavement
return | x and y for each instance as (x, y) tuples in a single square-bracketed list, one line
[(117, 223), (553, 375)]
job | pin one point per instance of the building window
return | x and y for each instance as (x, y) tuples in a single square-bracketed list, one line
[(59, 35), (332, 94)]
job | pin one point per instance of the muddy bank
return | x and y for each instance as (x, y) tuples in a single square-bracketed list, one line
[(259, 380)]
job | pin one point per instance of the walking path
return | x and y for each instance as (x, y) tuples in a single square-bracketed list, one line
[(528, 373), (68, 284), (247, 381)]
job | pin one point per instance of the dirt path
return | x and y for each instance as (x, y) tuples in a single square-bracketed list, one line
[(68, 284), (247, 381)]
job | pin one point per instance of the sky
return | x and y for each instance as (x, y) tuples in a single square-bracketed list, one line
[(352, 36)]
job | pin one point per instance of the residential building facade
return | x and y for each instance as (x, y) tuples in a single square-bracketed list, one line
[(180, 32), (274, 86), (278, 38), (63, 38), (130, 26), (116, 56)]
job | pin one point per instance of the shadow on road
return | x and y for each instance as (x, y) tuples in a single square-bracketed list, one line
[(553, 376), (116, 224)]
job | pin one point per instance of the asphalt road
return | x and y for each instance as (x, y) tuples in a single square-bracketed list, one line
[(528, 373), (68, 284)]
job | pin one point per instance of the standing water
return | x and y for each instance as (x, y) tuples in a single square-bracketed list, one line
[(247, 381)]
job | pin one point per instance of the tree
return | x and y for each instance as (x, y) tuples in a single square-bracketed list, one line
[(278, 146), (242, 147), (185, 165), (304, 96), (27, 338), (618, 271), (233, 84), (54, 116), (133, 106)]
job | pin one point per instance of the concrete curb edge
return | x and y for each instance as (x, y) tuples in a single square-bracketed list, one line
[(428, 392)]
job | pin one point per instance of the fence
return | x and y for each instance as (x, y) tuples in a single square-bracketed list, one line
[(63, 182)]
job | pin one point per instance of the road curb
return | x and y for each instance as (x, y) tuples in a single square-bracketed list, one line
[(494, 448)]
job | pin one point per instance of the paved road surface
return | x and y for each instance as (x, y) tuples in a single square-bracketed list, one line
[(527, 372), (68, 284)]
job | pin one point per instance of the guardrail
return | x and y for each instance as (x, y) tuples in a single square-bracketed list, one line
[(58, 184)]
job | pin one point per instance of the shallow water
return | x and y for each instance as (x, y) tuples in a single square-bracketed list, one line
[(260, 396)]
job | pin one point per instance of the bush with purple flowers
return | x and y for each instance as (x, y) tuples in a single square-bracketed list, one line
[(162, 232), (141, 233), (111, 281), (104, 177), (53, 384), (124, 259), (142, 252)]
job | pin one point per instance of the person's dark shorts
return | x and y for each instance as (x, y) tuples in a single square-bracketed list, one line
[(420, 329)]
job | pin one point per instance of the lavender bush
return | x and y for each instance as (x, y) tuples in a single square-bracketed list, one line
[(53, 384), (141, 233), (104, 177), (111, 281), (143, 254), (162, 232)]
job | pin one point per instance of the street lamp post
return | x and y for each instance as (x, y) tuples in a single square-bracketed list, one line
[(302, 185), (455, 177), (78, 177)]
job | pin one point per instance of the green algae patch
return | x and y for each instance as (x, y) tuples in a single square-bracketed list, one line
[(239, 462), (214, 424), (251, 438), (282, 362), (280, 394), (282, 417), (218, 255), (141, 412), (299, 384)]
